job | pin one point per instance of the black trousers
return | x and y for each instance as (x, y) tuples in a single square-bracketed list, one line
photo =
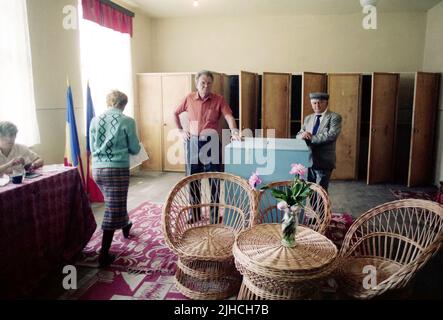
[(198, 163)]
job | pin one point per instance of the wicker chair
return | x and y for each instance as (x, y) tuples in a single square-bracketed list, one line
[(317, 205), (202, 216), (397, 238)]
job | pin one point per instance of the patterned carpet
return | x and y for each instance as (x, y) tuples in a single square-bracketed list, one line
[(143, 268), (403, 194)]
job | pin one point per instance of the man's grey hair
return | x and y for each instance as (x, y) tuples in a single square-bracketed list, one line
[(8, 129), (204, 73), (116, 99)]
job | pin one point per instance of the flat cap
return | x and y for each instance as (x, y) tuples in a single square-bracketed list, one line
[(319, 95)]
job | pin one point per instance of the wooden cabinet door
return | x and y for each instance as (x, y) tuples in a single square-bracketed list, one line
[(175, 88), (151, 119), (382, 127), (312, 82), (345, 92), (421, 156), (276, 103), (248, 100)]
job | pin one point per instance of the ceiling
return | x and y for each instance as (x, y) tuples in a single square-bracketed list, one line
[(185, 8)]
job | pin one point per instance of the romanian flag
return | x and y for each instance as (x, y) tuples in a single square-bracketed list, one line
[(93, 191), (72, 147)]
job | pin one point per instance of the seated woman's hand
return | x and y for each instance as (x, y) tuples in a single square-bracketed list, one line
[(17, 161)]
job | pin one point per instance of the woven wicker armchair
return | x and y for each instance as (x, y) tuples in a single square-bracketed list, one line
[(397, 238), (317, 205), (202, 216)]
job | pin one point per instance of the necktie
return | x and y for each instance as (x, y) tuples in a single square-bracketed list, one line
[(317, 124)]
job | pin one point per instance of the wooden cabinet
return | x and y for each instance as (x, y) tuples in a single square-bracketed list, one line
[(344, 99), (150, 121), (383, 116), (248, 101), (388, 122), (276, 103), (421, 157)]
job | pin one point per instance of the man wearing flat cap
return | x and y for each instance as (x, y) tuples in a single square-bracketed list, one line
[(320, 130)]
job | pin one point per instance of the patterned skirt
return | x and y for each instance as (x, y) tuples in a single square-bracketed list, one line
[(114, 184)]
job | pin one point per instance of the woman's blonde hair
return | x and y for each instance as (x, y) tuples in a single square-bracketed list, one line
[(116, 99)]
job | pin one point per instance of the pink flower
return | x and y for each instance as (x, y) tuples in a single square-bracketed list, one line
[(282, 205), (254, 180), (297, 169)]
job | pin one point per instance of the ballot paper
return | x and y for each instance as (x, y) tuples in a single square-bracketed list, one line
[(138, 159)]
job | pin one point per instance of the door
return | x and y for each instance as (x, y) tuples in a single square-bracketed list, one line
[(151, 119), (423, 128), (248, 101), (382, 127), (312, 82), (175, 88), (345, 91), (276, 104)]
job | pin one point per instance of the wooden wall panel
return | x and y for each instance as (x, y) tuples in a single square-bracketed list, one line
[(175, 88), (421, 158), (382, 127), (248, 100), (345, 92), (312, 82), (151, 119), (276, 103)]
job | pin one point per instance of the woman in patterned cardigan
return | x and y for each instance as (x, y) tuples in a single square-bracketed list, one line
[(113, 137)]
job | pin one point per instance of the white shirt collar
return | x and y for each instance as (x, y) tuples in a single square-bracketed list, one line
[(321, 114)]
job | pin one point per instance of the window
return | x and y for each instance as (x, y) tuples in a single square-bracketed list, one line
[(106, 63), (17, 102)]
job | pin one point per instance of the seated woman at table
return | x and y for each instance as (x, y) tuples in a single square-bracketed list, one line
[(13, 155), (113, 137)]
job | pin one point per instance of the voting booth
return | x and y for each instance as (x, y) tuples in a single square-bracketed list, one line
[(271, 157)]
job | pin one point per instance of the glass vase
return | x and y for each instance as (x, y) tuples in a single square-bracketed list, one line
[(289, 227)]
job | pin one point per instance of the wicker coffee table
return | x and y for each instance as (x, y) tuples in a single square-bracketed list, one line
[(273, 271)]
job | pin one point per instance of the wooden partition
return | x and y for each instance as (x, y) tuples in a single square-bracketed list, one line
[(345, 92), (248, 100), (175, 87), (150, 120), (382, 127), (312, 82), (276, 103), (425, 107)]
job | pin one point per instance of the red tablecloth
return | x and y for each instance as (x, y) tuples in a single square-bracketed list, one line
[(44, 223)]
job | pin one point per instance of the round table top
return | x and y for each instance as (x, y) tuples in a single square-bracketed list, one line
[(259, 249)]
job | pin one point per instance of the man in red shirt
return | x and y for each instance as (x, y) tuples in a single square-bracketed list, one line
[(204, 111)]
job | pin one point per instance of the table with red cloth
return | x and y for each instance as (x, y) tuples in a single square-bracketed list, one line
[(45, 223)]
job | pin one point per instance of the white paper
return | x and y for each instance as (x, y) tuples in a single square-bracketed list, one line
[(4, 180), (138, 159)]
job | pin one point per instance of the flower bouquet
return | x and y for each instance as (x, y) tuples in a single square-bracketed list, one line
[(291, 201)]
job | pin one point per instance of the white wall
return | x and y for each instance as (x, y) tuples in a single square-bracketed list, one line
[(433, 62), (332, 43), (56, 56)]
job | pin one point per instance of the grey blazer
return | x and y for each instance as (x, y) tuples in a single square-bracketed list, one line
[(323, 143)]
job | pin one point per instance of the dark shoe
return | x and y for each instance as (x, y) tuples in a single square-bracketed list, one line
[(105, 260), (126, 230)]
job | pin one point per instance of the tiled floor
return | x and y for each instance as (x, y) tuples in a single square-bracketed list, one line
[(351, 197)]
